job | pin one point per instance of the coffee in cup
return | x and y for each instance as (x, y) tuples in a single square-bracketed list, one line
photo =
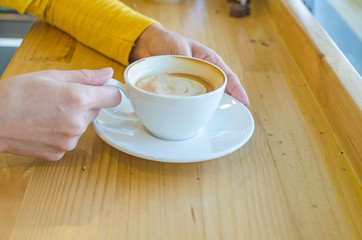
[(174, 84), (173, 96)]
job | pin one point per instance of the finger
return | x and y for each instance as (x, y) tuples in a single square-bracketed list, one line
[(40, 151), (85, 76), (65, 144), (51, 156), (92, 114), (181, 48), (233, 86), (103, 96), (235, 89)]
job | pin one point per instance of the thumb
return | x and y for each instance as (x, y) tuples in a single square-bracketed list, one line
[(88, 77)]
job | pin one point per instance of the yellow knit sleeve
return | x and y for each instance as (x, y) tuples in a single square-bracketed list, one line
[(18, 5), (108, 26)]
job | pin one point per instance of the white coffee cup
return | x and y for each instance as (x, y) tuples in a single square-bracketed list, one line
[(173, 117)]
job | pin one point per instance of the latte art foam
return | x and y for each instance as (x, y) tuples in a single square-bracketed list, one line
[(173, 85)]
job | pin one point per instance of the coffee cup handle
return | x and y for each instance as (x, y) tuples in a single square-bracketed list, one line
[(124, 111), (118, 84)]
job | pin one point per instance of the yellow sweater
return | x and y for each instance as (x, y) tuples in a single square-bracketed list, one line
[(107, 26)]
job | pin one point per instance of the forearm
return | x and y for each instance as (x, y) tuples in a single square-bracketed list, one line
[(107, 26)]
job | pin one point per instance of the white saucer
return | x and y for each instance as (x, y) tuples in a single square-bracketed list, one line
[(230, 128)]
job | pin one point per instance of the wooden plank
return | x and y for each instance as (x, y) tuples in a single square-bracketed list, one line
[(334, 82)]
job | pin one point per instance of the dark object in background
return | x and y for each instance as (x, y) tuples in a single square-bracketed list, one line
[(240, 9)]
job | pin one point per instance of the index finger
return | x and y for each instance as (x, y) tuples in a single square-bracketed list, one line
[(233, 86), (235, 89), (103, 96)]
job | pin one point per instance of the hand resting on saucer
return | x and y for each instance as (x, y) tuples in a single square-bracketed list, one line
[(156, 40)]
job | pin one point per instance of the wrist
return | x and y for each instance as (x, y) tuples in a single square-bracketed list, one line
[(143, 45), (150, 32)]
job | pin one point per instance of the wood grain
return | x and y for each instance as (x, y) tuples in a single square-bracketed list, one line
[(335, 84), (292, 180)]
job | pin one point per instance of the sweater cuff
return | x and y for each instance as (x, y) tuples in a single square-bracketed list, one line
[(108, 26)]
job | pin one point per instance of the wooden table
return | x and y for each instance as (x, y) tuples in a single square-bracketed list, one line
[(299, 177)]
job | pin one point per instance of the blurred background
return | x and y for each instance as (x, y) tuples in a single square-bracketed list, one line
[(342, 19), (13, 28)]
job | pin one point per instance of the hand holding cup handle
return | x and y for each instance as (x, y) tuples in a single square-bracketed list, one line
[(124, 111), (172, 117)]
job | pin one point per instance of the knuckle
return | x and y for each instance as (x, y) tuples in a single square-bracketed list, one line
[(80, 125), (210, 58), (86, 73), (77, 97), (76, 128)]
